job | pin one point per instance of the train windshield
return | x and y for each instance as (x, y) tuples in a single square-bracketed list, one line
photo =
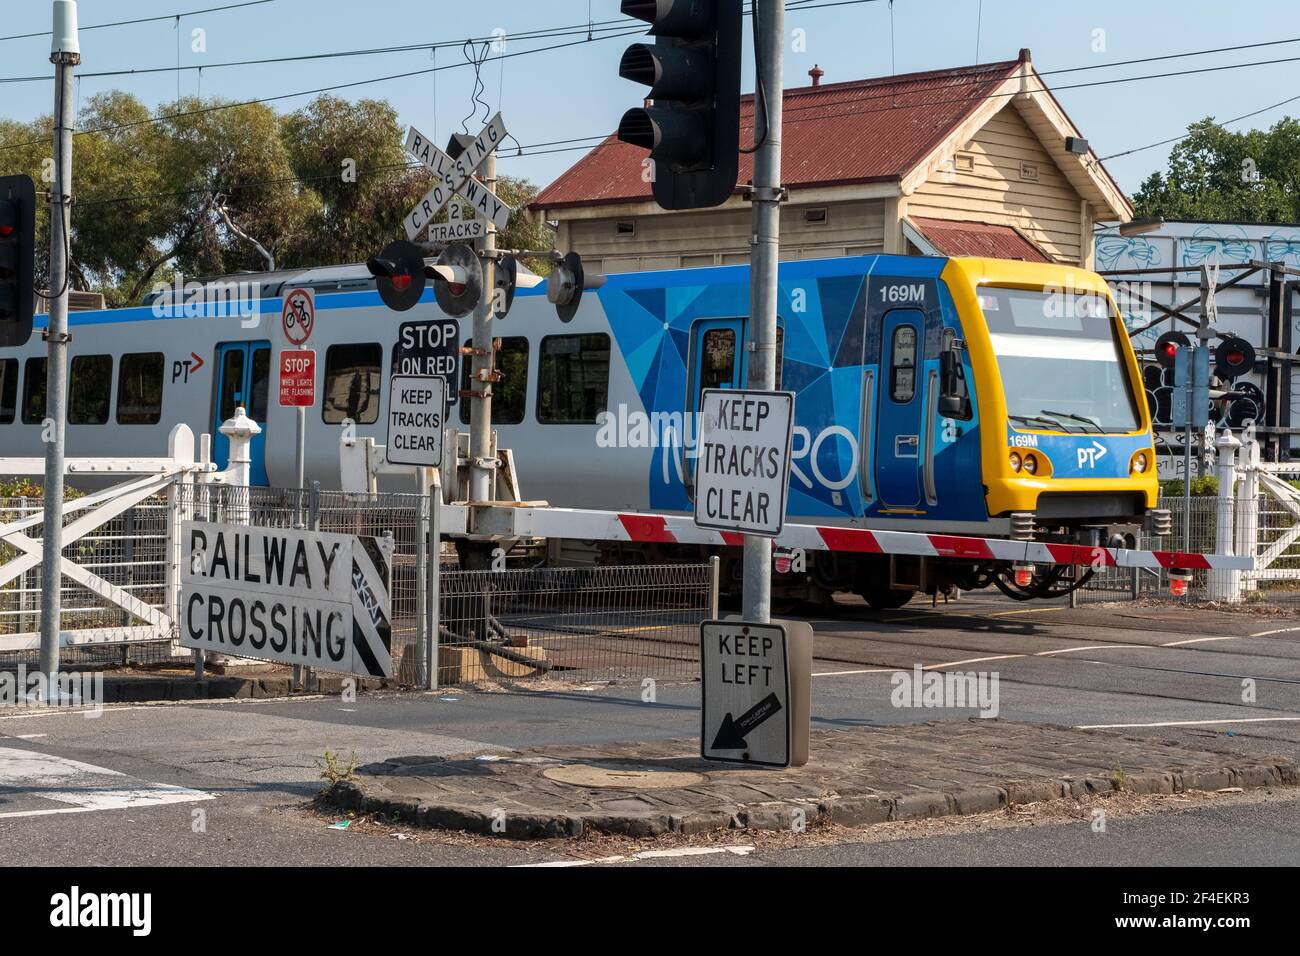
[(1061, 364)]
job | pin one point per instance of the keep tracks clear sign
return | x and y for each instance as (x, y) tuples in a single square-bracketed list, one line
[(296, 597), (742, 471)]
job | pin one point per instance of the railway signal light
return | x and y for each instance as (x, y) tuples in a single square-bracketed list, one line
[(692, 127), (399, 274), (17, 259), (566, 283), (1167, 347), (1233, 356)]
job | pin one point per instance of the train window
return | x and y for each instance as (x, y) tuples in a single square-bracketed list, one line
[(510, 395), (34, 386), (140, 388), (718, 358), (232, 383), (90, 390), (353, 375), (260, 384), (902, 365), (573, 379), (8, 390)]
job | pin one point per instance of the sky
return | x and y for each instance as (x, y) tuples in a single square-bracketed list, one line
[(562, 94)]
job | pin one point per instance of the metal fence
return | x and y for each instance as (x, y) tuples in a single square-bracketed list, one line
[(1194, 531), (129, 551), (586, 623), (627, 622)]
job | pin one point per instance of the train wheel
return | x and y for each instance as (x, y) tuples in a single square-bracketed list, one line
[(886, 598)]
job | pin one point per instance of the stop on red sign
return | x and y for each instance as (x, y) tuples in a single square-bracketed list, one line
[(298, 379)]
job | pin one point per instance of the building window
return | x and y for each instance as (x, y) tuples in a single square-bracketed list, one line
[(140, 388), (816, 216), (573, 379), (90, 390), (510, 395), (8, 390), (34, 386), (625, 228), (353, 375)]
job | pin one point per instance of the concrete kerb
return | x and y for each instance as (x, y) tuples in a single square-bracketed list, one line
[(508, 796)]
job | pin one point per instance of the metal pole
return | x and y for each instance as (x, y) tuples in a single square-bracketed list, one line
[(764, 258), (65, 57), (482, 472), (421, 579), (433, 580), (302, 447)]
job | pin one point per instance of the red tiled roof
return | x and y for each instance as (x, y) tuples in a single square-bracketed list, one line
[(978, 239), (835, 134)]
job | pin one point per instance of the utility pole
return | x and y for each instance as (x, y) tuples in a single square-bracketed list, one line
[(766, 192), (65, 54), (482, 462)]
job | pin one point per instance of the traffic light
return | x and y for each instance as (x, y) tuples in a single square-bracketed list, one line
[(399, 271), (1233, 356), (17, 259), (1167, 347), (692, 128)]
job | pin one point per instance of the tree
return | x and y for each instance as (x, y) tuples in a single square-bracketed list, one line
[(198, 185), (1216, 174)]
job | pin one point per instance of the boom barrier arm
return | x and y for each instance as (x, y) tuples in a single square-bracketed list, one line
[(539, 522)]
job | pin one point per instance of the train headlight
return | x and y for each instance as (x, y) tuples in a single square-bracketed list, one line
[(1139, 464), (1016, 463), (1031, 465)]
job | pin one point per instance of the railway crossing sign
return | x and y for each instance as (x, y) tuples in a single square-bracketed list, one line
[(742, 470), (417, 411), (297, 597), (456, 177), (297, 378), (298, 316), (429, 348), (756, 692)]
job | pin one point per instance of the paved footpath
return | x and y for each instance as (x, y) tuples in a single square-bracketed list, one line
[(854, 777)]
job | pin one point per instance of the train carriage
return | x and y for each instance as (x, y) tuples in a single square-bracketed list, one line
[(952, 396)]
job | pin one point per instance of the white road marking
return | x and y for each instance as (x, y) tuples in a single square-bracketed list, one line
[(1279, 630), (1189, 723), (870, 670), (86, 787), (646, 855), (114, 708)]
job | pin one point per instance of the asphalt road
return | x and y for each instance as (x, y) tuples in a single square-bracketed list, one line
[(226, 782)]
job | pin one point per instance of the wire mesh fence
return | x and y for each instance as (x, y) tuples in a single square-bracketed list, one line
[(1195, 527), (626, 622), (584, 622)]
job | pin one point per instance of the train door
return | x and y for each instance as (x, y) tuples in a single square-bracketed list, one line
[(717, 357), (243, 379), (900, 410)]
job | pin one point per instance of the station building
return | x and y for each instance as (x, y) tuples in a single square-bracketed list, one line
[(977, 160)]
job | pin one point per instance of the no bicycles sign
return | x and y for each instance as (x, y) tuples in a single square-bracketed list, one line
[(298, 316)]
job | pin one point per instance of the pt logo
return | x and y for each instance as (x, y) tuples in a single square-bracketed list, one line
[(1088, 457), (183, 368)]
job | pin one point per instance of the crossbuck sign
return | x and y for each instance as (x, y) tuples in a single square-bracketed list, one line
[(456, 176)]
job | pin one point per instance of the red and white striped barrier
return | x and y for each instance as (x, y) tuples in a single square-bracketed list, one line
[(681, 529)]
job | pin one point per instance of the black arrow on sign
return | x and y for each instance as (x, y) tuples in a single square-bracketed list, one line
[(731, 735)]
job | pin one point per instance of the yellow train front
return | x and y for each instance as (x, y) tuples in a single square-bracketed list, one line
[(1025, 376), (974, 397)]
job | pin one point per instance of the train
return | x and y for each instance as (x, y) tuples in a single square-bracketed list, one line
[(955, 396)]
